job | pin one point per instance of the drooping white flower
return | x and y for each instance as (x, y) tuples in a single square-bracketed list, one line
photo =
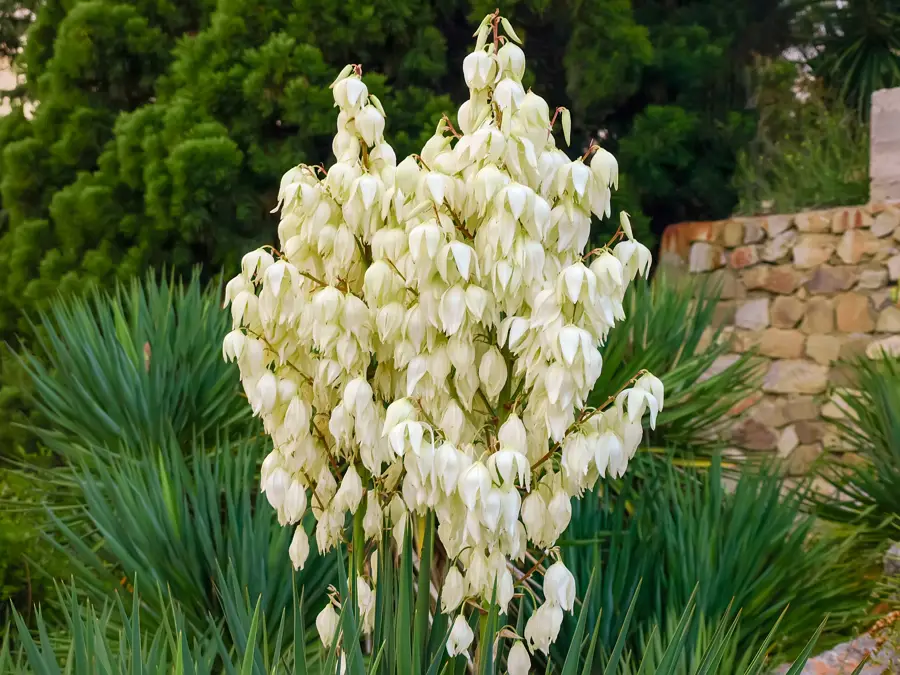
[(518, 662), (299, 548), (461, 636), (559, 586), (542, 627), (453, 591), (326, 624)]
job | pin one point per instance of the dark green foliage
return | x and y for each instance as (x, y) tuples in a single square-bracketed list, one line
[(868, 491), (809, 152), (134, 366), (691, 540), (99, 389), (185, 523), (114, 639), (858, 48)]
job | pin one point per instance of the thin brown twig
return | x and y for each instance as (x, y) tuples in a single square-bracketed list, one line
[(450, 125), (495, 24)]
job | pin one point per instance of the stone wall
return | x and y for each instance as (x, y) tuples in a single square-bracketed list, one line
[(884, 156), (804, 290)]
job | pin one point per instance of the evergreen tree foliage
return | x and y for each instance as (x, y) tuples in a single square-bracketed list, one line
[(161, 125)]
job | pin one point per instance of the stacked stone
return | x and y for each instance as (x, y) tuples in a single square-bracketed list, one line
[(805, 291)]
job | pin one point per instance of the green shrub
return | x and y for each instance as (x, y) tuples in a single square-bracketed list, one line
[(133, 366), (183, 521), (868, 491), (688, 538), (133, 369), (810, 151), (112, 638)]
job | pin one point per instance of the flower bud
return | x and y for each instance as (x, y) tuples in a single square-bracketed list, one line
[(559, 586), (374, 518), (460, 636), (453, 591), (294, 502), (534, 517), (560, 511), (474, 481), (299, 548), (518, 661), (370, 124), (509, 94), (350, 93), (512, 60), (276, 486), (492, 372), (478, 69), (350, 492), (606, 168), (326, 624)]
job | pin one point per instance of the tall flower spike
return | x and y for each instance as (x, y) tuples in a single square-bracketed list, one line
[(427, 334)]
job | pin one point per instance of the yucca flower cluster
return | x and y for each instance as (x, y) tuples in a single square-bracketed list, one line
[(426, 335)]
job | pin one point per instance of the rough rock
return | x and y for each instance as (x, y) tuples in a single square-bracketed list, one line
[(723, 313), (753, 314), (823, 349), (881, 299), (854, 346), (813, 250), (829, 279), (819, 316), (889, 346), (850, 219), (780, 343), (844, 658), (836, 407), (742, 257), (753, 232), (888, 320), (800, 409), (786, 312), (721, 364), (813, 221), (809, 431), (744, 340), (778, 247), (892, 561), (705, 257), (733, 233), (770, 412), (802, 458), (886, 222), (856, 244), (787, 441), (795, 377), (873, 277), (730, 286), (893, 265), (752, 435), (775, 225), (854, 313)]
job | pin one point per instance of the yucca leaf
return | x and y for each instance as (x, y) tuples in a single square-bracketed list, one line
[(807, 650), (619, 647), (574, 654), (423, 595)]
